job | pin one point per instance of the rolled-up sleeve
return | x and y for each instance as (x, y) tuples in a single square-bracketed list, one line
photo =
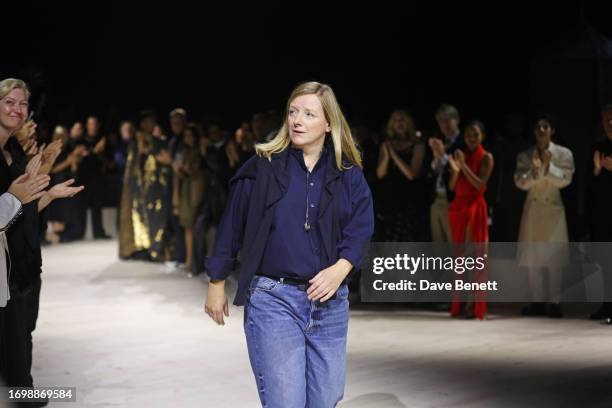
[(230, 231), (357, 232), (10, 209)]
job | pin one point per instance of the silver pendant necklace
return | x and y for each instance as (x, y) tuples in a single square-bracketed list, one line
[(307, 222)]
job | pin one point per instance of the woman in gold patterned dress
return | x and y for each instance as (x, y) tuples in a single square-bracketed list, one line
[(145, 184)]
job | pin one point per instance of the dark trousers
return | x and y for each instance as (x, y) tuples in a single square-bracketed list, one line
[(93, 200), (601, 231), (178, 231), (17, 322), (90, 198)]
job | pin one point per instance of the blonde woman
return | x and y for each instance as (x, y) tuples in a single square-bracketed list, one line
[(300, 213), (402, 195), (18, 318)]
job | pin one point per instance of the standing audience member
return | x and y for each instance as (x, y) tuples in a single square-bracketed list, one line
[(400, 192), (447, 118), (144, 216), (470, 171), (189, 189), (175, 238), (21, 311), (59, 211), (543, 170), (600, 201), (90, 173)]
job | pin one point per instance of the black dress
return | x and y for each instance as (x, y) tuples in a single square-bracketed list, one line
[(60, 210), (400, 209)]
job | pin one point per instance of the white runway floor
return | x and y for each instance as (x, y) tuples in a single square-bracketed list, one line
[(127, 334)]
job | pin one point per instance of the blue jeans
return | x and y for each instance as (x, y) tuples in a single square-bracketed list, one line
[(297, 348)]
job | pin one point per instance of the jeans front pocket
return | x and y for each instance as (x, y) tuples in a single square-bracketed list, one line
[(342, 292), (262, 283)]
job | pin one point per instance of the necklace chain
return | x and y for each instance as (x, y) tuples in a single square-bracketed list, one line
[(308, 173)]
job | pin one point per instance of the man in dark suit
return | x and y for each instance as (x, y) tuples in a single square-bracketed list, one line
[(441, 146), (600, 199)]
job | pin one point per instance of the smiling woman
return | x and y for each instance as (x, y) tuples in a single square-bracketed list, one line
[(300, 213), (18, 318)]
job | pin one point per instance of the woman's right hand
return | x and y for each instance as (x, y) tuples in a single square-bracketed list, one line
[(453, 164), (216, 302), (536, 162), (597, 162), (27, 188), (34, 164)]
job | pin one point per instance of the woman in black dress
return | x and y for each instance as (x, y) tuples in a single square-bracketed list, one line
[(400, 192)]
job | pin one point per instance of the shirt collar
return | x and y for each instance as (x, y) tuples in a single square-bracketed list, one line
[(453, 137), (299, 156)]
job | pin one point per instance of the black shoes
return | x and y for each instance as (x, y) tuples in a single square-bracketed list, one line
[(554, 311), (601, 314), (539, 309), (534, 309)]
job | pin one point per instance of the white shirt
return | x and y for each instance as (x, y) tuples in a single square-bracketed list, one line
[(10, 209)]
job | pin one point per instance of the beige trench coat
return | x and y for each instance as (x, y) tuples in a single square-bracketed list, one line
[(543, 219)]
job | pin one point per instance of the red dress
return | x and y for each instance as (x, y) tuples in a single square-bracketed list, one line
[(469, 209)]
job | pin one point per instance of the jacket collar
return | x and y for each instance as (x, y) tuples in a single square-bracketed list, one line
[(280, 177), (280, 171)]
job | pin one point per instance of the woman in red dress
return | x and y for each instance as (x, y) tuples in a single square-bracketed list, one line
[(467, 214)]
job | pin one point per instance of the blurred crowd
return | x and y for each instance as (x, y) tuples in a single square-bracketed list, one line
[(459, 181)]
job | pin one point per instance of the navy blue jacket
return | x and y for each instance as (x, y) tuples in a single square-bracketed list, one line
[(345, 219)]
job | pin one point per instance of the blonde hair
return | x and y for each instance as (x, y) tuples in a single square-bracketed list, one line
[(9, 84), (344, 145), (60, 132), (411, 133)]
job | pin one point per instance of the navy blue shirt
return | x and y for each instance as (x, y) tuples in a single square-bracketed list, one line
[(292, 251)]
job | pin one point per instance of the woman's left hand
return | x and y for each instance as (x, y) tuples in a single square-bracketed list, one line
[(63, 190), (460, 158), (326, 283), (391, 149)]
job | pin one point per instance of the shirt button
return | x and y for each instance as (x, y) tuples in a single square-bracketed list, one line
[(311, 184), (311, 205)]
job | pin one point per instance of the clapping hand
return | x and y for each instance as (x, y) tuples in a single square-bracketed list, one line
[(30, 186), (437, 147), (454, 166), (26, 132), (607, 163), (99, 147), (459, 158), (536, 163), (546, 156), (63, 190), (597, 162), (49, 154)]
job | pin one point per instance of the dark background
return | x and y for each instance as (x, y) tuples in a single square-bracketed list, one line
[(226, 61)]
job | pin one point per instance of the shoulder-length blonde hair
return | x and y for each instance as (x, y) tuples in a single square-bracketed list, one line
[(410, 134), (344, 145)]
